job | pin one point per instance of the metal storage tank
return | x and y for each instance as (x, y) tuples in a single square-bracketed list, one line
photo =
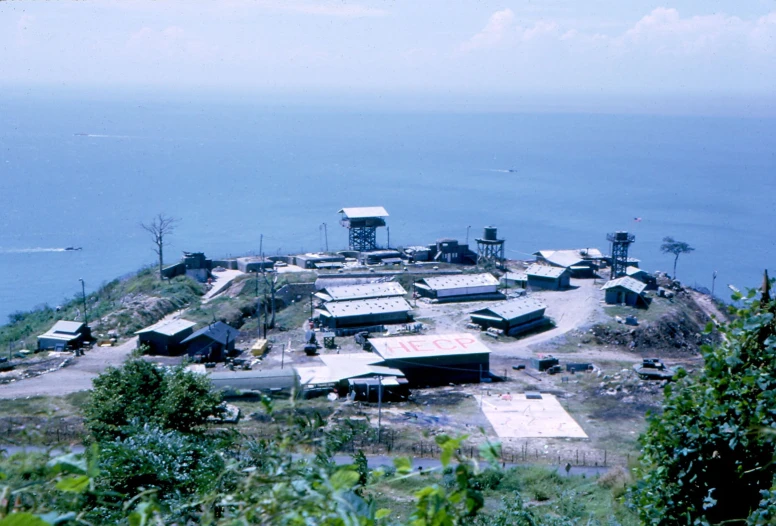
[(490, 233)]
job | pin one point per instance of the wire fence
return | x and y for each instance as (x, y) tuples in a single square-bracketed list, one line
[(61, 430), (391, 442), (41, 430)]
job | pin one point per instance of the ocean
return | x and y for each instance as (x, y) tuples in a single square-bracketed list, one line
[(85, 172)]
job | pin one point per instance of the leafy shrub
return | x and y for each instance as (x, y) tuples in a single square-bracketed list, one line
[(542, 483), (705, 458), (511, 480), (617, 479), (487, 479), (141, 393), (151, 457)]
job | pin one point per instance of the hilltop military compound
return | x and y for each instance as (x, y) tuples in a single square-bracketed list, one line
[(437, 331)]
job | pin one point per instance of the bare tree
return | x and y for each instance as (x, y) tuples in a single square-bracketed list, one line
[(677, 248), (160, 227)]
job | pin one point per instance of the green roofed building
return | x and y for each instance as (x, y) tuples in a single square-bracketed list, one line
[(65, 335), (364, 313), (513, 317), (626, 291), (166, 337)]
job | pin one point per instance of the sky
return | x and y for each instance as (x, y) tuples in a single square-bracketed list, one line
[(602, 50)]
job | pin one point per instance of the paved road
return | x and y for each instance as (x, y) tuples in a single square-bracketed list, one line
[(73, 378)]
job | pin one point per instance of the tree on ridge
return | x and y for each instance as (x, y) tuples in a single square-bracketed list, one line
[(677, 248), (160, 227)]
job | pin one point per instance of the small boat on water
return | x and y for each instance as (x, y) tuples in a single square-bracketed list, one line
[(74, 248)]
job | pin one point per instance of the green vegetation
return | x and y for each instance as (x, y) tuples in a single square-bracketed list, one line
[(44, 405), (228, 310), (677, 248), (658, 308), (708, 459), (141, 393), (153, 461), (119, 303)]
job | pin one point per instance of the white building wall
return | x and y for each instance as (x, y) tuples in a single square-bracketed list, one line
[(467, 291)]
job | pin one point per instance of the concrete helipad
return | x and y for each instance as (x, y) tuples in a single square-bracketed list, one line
[(515, 416)]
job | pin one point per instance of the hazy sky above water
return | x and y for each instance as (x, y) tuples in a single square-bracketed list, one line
[(639, 55)]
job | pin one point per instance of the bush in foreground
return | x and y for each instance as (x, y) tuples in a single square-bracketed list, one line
[(140, 393)]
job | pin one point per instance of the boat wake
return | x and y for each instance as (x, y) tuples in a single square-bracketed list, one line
[(501, 170), (103, 136), (36, 250)]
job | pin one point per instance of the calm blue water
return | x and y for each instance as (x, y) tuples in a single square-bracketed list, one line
[(234, 171)]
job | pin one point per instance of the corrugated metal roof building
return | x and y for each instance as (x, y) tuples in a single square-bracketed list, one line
[(514, 279), (65, 335), (341, 370), (513, 317), (361, 292), (459, 287), (625, 290), (435, 359), (313, 260), (582, 262), (212, 342), (355, 313), (547, 277), (642, 275), (165, 337)]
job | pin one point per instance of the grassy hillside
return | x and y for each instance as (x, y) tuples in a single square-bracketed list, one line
[(123, 305)]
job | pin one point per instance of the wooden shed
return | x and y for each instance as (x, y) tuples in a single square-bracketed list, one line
[(513, 317), (212, 343), (65, 335), (547, 277), (625, 290), (165, 337)]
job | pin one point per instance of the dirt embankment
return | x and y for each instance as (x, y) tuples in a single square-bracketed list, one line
[(681, 331), (136, 311)]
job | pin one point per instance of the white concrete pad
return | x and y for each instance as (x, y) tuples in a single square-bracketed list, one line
[(221, 280), (514, 416)]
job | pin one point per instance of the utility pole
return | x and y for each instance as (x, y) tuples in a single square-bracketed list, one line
[(467, 234), (713, 279), (311, 305), (379, 406), (388, 230), (326, 236), (83, 295), (264, 311)]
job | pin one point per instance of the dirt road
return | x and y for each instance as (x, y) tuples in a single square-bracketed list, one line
[(571, 309), (705, 303), (73, 378)]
